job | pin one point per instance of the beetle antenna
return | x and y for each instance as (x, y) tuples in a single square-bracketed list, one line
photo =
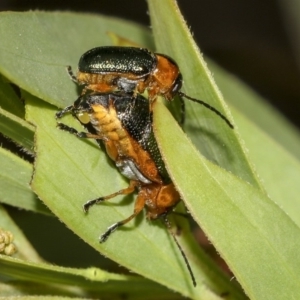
[(71, 74), (182, 111), (207, 106), (168, 225)]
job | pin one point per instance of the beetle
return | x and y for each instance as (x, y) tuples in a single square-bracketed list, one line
[(123, 121), (132, 69)]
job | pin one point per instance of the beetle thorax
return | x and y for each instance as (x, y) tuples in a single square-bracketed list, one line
[(163, 77)]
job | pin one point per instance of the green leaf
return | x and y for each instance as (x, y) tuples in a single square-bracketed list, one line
[(15, 178), (21, 289), (278, 169), (17, 129), (273, 147), (82, 282), (244, 225), (9, 100)]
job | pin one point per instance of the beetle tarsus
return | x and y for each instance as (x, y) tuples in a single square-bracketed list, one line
[(64, 127), (109, 231), (90, 203), (62, 112), (81, 135)]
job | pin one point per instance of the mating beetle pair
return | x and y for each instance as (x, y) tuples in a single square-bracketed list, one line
[(129, 69), (122, 118)]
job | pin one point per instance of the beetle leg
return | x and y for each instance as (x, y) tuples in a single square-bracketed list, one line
[(138, 207), (84, 90), (82, 135), (71, 74), (62, 112), (128, 190)]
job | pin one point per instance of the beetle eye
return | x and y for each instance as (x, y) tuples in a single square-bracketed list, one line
[(83, 117)]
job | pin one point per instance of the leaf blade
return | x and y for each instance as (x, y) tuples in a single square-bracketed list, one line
[(80, 282), (239, 211), (15, 178)]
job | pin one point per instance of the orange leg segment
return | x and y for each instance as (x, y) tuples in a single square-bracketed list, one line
[(138, 207), (128, 190)]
